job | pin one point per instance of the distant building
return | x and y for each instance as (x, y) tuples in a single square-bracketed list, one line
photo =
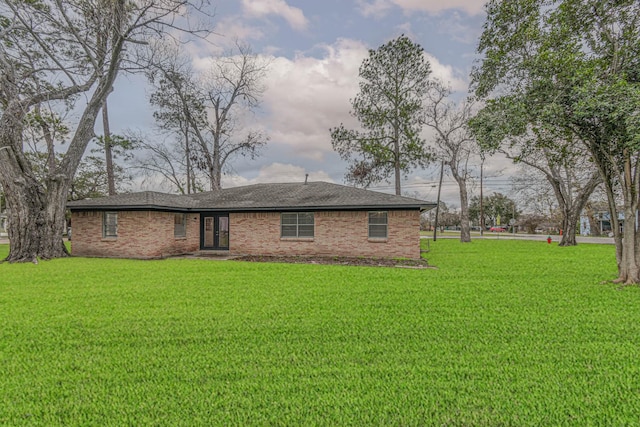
[(3, 224), (603, 220)]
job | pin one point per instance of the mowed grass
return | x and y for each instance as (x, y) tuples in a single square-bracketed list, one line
[(502, 333)]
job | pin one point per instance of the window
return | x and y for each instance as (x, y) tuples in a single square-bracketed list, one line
[(110, 224), (180, 225), (378, 225), (296, 224)]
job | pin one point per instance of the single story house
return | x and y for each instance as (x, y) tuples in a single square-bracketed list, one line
[(314, 218)]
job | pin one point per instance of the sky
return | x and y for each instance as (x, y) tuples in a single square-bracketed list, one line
[(315, 48)]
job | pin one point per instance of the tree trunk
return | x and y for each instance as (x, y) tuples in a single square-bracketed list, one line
[(188, 159), (465, 229), (396, 160), (629, 271), (627, 253), (35, 215), (108, 155), (569, 228), (36, 222), (216, 173)]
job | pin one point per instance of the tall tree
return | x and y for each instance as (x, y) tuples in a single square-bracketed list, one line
[(53, 51), (498, 209), (211, 110), (564, 162), (454, 143), (179, 109), (574, 66), (394, 80), (572, 183)]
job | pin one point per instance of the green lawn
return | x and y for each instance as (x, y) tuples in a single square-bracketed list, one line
[(502, 333)]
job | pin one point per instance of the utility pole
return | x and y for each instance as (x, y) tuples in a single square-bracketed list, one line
[(481, 207), (435, 228), (188, 157)]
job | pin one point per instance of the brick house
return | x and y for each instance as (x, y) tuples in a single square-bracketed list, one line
[(315, 218)]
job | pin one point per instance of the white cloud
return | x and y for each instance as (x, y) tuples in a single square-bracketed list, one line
[(378, 8), (472, 7), (232, 29), (261, 8), (447, 74), (306, 96), (277, 172)]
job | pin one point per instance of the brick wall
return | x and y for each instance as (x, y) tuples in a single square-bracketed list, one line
[(149, 234), (342, 233), (141, 234)]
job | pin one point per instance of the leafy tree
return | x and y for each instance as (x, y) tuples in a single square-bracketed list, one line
[(571, 179), (572, 69), (54, 51), (530, 222), (498, 209), (394, 81), (563, 162), (446, 218), (91, 178)]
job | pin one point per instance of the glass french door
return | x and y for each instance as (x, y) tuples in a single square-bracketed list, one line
[(214, 231)]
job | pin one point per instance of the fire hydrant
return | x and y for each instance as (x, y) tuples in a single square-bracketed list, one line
[(549, 239)]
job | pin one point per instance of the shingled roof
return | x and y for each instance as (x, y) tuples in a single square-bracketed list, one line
[(258, 197)]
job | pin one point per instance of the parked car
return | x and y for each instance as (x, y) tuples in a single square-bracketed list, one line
[(498, 228)]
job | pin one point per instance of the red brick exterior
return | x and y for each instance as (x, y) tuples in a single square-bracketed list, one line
[(141, 234), (340, 233), (150, 234)]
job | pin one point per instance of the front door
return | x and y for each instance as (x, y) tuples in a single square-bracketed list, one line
[(214, 231)]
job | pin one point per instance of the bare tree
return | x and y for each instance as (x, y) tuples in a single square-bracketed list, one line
[(166, 163), (454, 142), (179, 110), (208, 111), (533, 192), (54, 51)]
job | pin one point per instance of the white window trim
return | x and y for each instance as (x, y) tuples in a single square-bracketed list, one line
[(386, 225), (104, 225), (184, 224)]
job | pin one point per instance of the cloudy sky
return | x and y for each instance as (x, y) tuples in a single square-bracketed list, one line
[(315, 49)]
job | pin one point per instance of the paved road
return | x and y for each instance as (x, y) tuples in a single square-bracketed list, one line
[(495, 236), (509, 236)]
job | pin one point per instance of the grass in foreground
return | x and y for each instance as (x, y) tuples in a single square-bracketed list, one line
[(503, 333)]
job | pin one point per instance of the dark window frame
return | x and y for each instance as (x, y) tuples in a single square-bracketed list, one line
[(296, 225)]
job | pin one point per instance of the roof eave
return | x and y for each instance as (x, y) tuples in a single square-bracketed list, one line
[(421, 207), (129, 208)]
